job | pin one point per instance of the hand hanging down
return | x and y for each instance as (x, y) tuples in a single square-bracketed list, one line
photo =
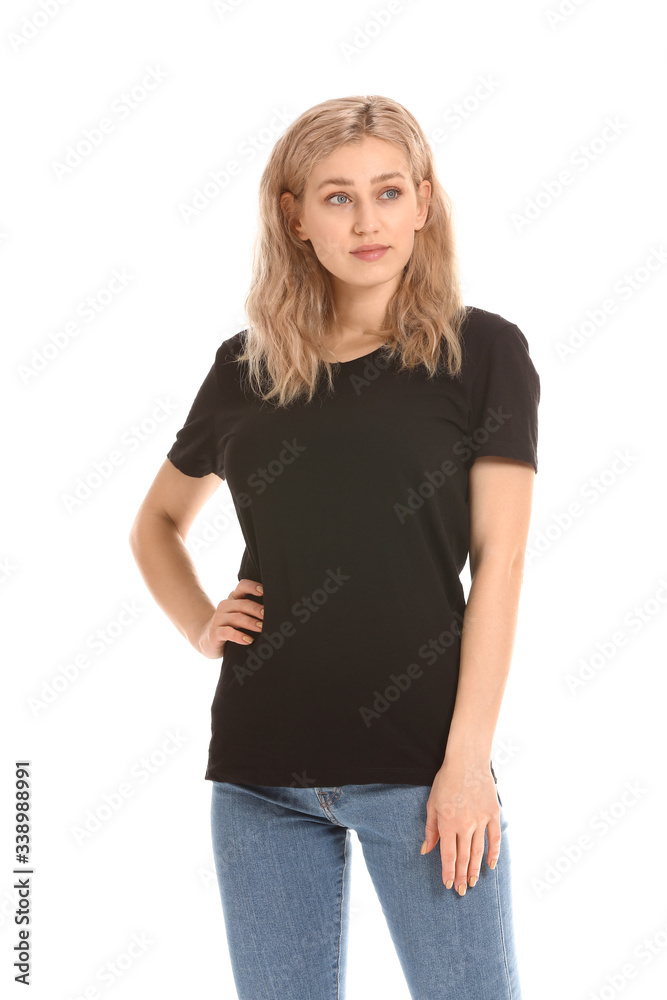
[(463, 804)]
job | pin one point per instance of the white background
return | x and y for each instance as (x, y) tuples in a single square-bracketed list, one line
[(563, 757)]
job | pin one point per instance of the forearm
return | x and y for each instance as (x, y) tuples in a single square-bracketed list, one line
[(170, 575), (487, 641)]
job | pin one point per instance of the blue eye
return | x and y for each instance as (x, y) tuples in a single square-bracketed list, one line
[(341, 195)]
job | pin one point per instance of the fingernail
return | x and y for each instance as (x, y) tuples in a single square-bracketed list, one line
[(423, 848), (449, 883), (492, 864), (473, 879), (462, 889)]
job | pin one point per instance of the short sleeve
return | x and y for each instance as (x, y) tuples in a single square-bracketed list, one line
[(504, 399), (195, 451)]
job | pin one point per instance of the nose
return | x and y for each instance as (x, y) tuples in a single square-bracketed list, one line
[(365, 221)]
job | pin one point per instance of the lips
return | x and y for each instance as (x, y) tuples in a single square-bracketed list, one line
[(376, 253), (368, 247)]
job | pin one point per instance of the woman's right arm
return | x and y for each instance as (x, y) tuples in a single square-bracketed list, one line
[(157, 540)]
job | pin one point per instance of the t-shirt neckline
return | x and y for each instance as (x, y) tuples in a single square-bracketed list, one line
[(363, 357)]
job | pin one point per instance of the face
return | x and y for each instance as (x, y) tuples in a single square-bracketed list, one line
[(347, 205)]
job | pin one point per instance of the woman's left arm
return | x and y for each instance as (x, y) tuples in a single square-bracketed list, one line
[(463, 800)]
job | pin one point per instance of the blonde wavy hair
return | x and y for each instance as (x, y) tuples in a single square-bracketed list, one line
[(290, 301)]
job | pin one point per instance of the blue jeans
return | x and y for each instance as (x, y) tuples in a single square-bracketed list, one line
[(282, 857)]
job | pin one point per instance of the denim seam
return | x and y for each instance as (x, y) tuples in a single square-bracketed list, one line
[(340, 915), (333, 797), (502, 933), (326, 801)]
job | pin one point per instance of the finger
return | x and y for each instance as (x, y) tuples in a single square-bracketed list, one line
[(494, 835), (227, 632), (242, 620), (249, 622), (251, 615), (463, 841), (243, 606), (246, 586), (431, 832), (448, 857), (476, 855)]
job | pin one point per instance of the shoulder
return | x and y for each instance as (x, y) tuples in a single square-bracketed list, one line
[(481, 328), (488, 338), (229, 350)]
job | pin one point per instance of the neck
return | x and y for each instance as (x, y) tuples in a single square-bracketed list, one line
[(350, 347), (359, 307)]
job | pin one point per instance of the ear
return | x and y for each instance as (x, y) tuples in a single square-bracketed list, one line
[(287, 204), (423, 201)]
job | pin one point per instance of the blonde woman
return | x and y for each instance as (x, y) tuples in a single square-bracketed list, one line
[(373, 432)]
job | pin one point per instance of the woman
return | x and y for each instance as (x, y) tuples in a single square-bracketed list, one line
[(373, 432)]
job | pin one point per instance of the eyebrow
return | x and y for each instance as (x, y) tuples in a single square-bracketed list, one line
[(387, 176)]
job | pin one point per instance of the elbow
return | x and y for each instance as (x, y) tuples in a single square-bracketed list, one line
[(508, 563), (135, 531), (147, 527), (132, 537)]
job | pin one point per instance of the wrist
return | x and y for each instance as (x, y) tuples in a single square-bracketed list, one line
[(468, 755), (193, 631)]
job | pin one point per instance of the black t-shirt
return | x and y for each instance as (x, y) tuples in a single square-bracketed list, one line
[(354, 511)]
